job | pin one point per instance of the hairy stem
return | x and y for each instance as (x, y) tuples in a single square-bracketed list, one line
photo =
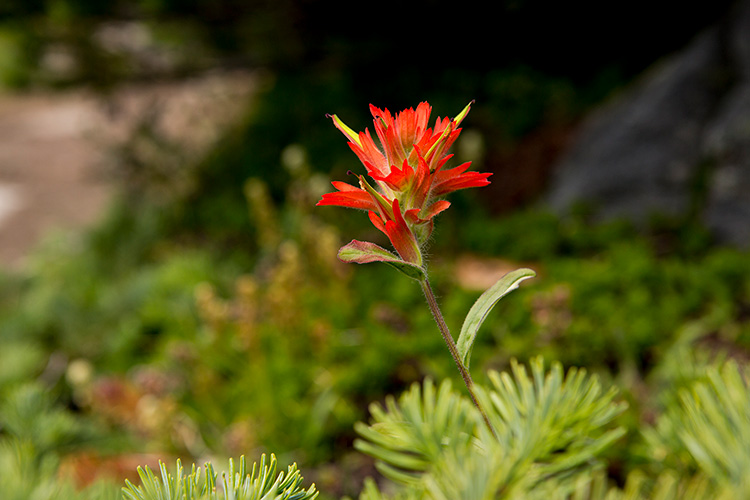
[(432, 302)]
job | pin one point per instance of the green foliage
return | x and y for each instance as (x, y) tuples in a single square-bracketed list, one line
[(28, 413), (20, 361), (482, 307), (607, 298), (708, 428), (556, 421), (13, 68), (25, 474), (261, 483), (409, 436), (550, 430), (22, 477), (520, 98), (104, 314), (35, 433), (363, 252)]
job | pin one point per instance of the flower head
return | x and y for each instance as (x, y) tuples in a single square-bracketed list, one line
[(408, 174)]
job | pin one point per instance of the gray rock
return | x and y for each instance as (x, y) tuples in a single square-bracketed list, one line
[(638, 154), (726, 145), (675, 143)]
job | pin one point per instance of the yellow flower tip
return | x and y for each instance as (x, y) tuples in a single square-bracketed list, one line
[(348, 132), (459, 118)]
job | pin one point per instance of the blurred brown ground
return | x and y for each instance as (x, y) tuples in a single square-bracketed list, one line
[(56, 149), (47, 175)]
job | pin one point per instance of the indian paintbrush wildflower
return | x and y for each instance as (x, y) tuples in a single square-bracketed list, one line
[(409, 179)]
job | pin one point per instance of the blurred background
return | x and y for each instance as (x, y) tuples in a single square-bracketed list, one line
[(169, 290)]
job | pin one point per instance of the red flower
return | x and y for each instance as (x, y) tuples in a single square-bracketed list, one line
[(408, 172)]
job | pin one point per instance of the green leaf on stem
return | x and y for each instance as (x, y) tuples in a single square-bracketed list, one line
[(364, 252), (482, 307)]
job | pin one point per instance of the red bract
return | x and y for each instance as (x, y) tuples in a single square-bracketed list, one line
[(408, 173)]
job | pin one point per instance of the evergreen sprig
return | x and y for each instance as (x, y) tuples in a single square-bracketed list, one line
[(261, 483), (550, 429), (554, 421), (708, 429), (408, 436)]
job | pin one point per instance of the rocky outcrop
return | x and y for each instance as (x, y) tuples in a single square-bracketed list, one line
[(676, 143)]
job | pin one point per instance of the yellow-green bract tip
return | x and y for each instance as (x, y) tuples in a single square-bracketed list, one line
[(459, 118), (351, 134)]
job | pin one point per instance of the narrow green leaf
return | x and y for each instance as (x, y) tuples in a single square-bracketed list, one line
[(482, 307), (364, 252)]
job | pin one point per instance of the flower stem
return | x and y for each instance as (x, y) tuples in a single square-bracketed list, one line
[(432, 302)]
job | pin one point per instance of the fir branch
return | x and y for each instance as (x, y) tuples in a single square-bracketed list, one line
[(262, 483), (551, 428)]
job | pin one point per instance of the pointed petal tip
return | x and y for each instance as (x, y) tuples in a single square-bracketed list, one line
[(460, 117), (348, 132)]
